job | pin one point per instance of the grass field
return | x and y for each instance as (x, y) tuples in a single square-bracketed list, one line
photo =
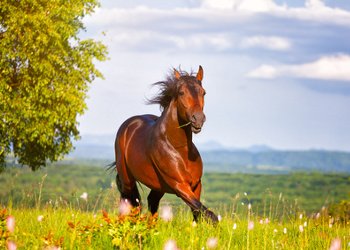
[(78, 208)]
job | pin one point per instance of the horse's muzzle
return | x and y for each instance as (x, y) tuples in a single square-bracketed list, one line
[(197, 122)]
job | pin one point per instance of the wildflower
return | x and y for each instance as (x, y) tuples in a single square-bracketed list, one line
[(234, 226), (84, 196), (124, 207), (40, 218), (11, 245), (267, 221), (219, 217), (275, 230), (249, 206), (10, 223), (250, 225), (305, 224), (245, 194), (301, 228), (166, 213), (335, 244), (285, 230), (194, 224), (261, 221), (170, 245), (318, 215), (301, 216), (52, 248), (212, 242)]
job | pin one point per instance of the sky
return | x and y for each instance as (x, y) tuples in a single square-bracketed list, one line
[(276, 72)]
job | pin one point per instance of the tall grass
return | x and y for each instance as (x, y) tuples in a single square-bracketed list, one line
[(64, 213), (78, 224)]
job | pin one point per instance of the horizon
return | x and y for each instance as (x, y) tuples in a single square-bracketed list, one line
[(211, 145)]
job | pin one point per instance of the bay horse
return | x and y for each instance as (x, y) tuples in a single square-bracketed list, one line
[(159, 152)]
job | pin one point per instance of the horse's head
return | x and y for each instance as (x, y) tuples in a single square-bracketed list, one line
[(190, 99)]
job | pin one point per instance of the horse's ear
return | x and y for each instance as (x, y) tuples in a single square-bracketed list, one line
[(177, 74), (200, 74)]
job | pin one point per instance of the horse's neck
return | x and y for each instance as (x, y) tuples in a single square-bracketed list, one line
[(178, 136)]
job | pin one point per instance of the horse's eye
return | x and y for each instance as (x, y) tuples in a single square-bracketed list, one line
[(204, 93), (181, 93)]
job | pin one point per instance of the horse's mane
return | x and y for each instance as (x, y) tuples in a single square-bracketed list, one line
[(168, 89)]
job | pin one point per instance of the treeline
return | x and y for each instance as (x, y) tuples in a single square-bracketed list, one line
[(276, 161)]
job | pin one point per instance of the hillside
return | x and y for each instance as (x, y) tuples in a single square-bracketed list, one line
[(256, 159), (276, 161)]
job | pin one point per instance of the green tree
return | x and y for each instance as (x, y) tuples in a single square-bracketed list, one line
[(45, 70)]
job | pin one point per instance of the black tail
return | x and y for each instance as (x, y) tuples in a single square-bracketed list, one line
[(111, 166)]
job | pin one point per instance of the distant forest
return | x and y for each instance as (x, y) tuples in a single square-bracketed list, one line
[(277, 161), (245, 161)]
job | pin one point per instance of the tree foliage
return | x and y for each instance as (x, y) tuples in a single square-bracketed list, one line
[(45, 70)]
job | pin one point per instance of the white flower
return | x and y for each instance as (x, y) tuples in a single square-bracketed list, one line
[(245, 194), (301, 228), (275, 230), (250, 225), (219, 217), (249, 206), (124, 207), (305, 224), (84, 196), (285, 230), (336, 244), (10, 223), (301, 216), (234, 226), (166, 213), (11, 245), (170, 245), (40, 218), (212, 242)]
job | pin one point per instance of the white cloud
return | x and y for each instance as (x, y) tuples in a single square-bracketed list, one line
[(264, 72), (334, 67), (266, 42), (314, 4), (242, 5)]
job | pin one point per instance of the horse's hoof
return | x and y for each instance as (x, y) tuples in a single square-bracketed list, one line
[(211, 217)]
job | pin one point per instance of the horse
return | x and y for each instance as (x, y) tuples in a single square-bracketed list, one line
[(159, 152)]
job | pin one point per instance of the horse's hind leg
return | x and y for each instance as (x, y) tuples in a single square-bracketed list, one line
[(153, 200), (130, 192)]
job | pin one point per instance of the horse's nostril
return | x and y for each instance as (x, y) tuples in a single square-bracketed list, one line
[(194, 118)]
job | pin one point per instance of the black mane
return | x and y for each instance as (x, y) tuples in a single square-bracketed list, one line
[(169, 89)]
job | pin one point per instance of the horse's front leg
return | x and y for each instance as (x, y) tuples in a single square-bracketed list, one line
[(185, 192), (197, 193)]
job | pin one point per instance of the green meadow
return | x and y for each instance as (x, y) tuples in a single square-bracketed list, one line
[(77, 207)]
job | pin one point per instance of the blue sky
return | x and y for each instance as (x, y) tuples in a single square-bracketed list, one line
[(276, 72)]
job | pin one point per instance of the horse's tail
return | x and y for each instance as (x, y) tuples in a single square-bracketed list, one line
[(111, 166)]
